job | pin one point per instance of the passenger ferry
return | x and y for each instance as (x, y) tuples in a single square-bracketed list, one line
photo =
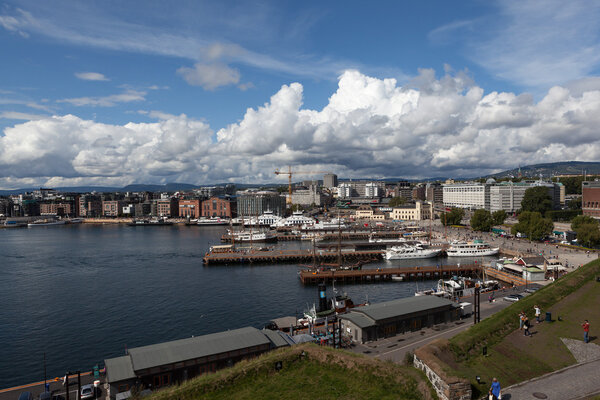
[(406, 252), (254, 236), (476, 248)]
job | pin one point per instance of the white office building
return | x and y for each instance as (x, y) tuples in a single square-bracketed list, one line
[(467, 195)]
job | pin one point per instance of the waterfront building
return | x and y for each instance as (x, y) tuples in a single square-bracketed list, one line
[(590, 201), (412, 212), (467, 195), (330, 181), (163, 364), (219, 207), (307, 197), (381, 320), (142, 209), (60, 209), (112, 208), (165, 207), (255, 204), (89, 206), (190, 209)]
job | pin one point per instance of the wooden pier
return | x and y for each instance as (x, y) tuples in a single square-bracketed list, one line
[(287, 256), (365, 275), (345, 235), (505, 277)]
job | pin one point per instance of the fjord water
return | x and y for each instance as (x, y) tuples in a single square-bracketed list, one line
[(83, 293)]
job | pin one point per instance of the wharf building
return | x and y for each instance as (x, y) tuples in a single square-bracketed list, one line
[(163, 364), (90, 206), (164, 207), (112, 208), (257, 203), (382, 320), (590, 201), (60, 209), (219, 207), (190, 208)]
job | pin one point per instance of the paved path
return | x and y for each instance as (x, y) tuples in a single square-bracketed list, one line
[(579, 381)]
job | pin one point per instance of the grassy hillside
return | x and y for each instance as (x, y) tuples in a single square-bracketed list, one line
[(513, 357), (321, 373)]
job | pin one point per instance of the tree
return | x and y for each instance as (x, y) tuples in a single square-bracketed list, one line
[(481, 220), (537, 199), (533, 225), (453, 217), (575, 204), (582, 220), (397, 201), (498, 217), (588, 234)]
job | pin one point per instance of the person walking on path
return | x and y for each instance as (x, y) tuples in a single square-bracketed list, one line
[(526, 326), (538, 312), (586, 331), (496, 389), (521, 320)]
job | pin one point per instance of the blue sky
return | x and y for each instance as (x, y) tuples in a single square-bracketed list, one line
[(121, 92)]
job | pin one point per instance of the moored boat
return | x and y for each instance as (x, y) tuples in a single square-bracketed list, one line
[(476, 248), (405, 252), (46, 222)]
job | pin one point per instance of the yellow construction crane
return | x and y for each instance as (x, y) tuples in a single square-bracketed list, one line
[(289, 173)]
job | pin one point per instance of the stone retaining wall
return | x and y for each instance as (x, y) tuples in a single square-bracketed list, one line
[(447, 387)]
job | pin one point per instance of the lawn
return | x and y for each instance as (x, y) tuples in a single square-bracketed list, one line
[(513, 357), (321, 373)]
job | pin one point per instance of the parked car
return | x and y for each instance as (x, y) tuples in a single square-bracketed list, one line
[(87, 392), (532, 289), (513, 297), (25, 396), (45, 396)]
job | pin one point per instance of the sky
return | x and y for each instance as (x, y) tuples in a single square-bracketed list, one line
[(110, 93)]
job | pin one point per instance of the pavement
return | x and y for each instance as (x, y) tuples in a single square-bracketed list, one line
[(56, 387), (579, 381)]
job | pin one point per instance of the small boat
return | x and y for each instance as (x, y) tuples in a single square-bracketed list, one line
[(210, 221)]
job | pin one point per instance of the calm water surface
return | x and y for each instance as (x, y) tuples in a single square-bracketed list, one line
[(83, 293)]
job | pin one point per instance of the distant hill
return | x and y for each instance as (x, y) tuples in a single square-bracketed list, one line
[(552, 169)]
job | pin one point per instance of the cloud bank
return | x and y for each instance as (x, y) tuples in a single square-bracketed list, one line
[(369, 128)]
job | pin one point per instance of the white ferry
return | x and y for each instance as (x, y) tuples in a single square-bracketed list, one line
[(212, 221), (254, 236), (297, 219), (46, 222), (406, 252), (476, 248)]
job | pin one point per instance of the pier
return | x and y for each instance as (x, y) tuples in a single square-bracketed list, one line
[(310, 277), (344, 235), (287, 256)]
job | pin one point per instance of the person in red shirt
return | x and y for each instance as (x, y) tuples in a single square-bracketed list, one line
[(586, 331)]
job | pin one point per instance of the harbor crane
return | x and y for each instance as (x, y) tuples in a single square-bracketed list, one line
[(289, 173)]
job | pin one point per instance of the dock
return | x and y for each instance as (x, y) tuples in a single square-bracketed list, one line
[(287, 256), (365, 275), (344, 235)]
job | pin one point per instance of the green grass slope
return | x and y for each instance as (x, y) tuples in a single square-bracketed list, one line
[(513, 357), (321, 373)]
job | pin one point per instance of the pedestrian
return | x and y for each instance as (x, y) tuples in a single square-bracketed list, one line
[(586, 331), (496, 389), (521, 320), (526, 326), (538, 312)]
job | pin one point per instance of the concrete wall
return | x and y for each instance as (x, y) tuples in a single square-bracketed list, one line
[(447, 389)]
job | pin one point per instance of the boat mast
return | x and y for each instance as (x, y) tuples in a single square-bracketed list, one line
[(339, 242)]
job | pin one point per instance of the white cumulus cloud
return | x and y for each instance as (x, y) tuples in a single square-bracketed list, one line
[(371, 127)]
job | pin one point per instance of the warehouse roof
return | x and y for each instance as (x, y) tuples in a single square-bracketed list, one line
[(278, 338), (358, 319), (119, 369), (409, 305), (195, 347)]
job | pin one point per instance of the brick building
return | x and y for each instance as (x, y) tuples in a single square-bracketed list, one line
[(590, 202), (218, 207), (56, 209), (165, 207), (190, 208), (112, 208)]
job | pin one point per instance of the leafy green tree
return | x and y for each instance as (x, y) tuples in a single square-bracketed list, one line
[(533, 225), (588, 234), (453, 217), (397, 201), (481, 220), (498, 217), (537, 199), (582, 220)]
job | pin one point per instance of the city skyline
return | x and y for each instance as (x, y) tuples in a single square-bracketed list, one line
[(110, 94)]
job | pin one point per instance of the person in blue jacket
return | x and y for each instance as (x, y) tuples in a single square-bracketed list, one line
[(496, 390)]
